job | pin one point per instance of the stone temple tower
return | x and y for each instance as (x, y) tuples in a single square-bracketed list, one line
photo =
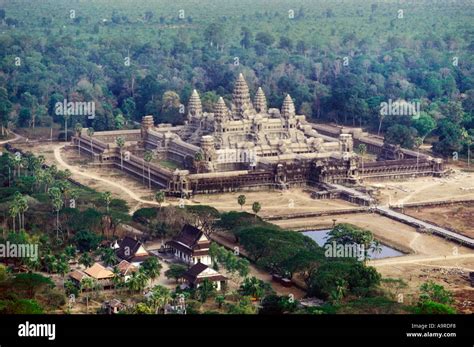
[(241, 98), (208, 152), (288, 107), (194, 106), (346, 144), (288, 114), (260, 102), (220, 114)]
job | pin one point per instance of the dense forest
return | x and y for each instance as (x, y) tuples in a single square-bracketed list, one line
[(339, 60)]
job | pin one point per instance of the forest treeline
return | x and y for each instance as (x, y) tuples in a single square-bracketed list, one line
[(339, 61)]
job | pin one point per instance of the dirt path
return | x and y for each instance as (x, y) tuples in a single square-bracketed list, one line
[(75, 170), (396, 261), (17, 137)]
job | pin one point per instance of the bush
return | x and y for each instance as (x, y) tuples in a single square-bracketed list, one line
[(144, 215), (432, 307), (86, 240)]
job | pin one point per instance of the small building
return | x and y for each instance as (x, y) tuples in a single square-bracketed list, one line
[(126, 269), (191, 246), (77, 276), (113, 306), (101, 274), (131, 250), (200, 272)]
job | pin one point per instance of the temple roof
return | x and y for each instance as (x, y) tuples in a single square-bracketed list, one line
[(260, 101), (220, 110), (288, 107), (194, 104)]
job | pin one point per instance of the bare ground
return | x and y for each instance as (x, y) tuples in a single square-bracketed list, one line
[(459, 217)]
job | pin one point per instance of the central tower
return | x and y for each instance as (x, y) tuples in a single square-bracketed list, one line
[(241, 103)]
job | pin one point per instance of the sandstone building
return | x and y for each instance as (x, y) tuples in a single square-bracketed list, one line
[(244, 144)]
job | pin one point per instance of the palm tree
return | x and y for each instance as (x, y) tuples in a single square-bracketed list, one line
[(120, 142), (148, 157), (117, 280), (198, 158), (107, 198), (362, 150), (86, 260), (22, 203), (18, 162), (160, 197), (13, 211), (78, 131), (256, 207), (108, 256), (376, 247), (65, 127), (137, 281), (220, 300), (241, 200), (205, 290), (90, 133), (56, 197), (62, 267), (151, 268), (160, 296), (87, 284), (468, 139), (418, 144)]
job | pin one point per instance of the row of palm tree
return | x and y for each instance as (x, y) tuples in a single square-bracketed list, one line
[(17, 209)]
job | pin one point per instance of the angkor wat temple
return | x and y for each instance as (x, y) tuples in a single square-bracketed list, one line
[(247, 145)]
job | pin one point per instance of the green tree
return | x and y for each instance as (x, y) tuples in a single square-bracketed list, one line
[(160, 197), (206, 290), (362, 150), (5, 109), (78, 131), (176, 271), (241, 200), (108, 256), (159, 298), (87, 285), (151, 267), (90, 133), (86, 260), (256, 207), (255, 288), (57, 201), (120, 142)]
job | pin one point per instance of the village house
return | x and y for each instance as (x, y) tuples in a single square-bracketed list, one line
[(201, 272), (76, 277), (98, 272), (113, 306), (131, 250), (101, 274), (191, 246), (126, 269)]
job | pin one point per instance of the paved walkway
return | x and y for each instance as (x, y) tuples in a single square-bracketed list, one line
[(386, 211)]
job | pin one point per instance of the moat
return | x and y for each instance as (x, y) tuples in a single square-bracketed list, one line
[(320, 236)]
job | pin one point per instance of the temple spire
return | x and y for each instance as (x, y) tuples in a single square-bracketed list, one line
[(241, 97), (288, 107), (260, 101), (220, 111), (194, 105)]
